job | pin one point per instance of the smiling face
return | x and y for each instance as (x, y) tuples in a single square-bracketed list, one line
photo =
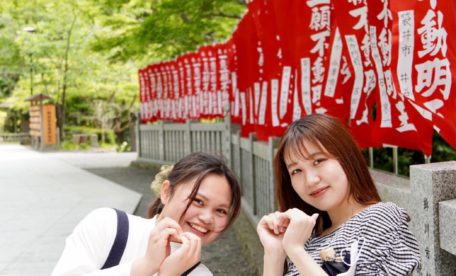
[(318, 178), (207, 215)]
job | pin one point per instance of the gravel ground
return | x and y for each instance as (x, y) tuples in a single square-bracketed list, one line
[(223, 257)]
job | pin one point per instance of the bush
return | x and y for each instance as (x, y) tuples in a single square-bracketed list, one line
[(124, 147), (110, 137)]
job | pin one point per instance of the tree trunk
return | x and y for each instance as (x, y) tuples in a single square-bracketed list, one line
[(65, 80)]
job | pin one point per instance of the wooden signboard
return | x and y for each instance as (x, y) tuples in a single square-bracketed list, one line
[(49, 127), (35, 121), (45, 117)]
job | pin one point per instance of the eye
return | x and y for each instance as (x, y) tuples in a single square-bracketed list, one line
[(198, 202), (222, 212), (317, 162), (295, 171)]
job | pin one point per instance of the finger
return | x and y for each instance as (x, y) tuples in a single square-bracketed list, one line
[(193, 243), (168, 223), (275, 223), (185, 244), (266, 223), (315, 216), (169, 232), (283, 220)]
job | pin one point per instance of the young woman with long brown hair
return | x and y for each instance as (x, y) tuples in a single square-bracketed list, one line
[(331, 220), (199, 198)]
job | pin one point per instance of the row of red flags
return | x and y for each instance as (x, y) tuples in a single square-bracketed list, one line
[(385, 68)]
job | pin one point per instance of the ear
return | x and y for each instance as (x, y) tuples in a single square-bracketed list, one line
[(165, 192)]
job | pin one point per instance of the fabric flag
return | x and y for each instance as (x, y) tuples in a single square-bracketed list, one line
[(394, 115), (339, 78), (352, 22), (223, 75), (425, 70), (245, 39), (283, 89), (142, 94), (234, 91), (267, 66), (152, 94), (312, 47)]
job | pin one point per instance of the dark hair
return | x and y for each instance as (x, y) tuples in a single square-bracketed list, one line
[(197, 166), (332, 137)]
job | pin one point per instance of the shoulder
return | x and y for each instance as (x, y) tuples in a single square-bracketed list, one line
[(383, 214), (386, 243), (101, 215), (98, 223)]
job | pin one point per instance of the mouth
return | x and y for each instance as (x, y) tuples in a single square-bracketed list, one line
[(319, 192), (198, 229)]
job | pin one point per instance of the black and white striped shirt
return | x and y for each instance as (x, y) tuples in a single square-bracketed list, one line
[(385, 244)]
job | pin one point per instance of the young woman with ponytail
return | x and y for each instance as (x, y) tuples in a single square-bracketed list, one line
[(198, 199)]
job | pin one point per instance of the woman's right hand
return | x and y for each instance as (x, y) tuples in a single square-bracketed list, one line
[(158, 247), (271, 229), (183, 258)]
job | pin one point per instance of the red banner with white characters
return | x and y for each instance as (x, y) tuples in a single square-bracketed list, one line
[(385, 68), (426, 62), (396, 122), (353, 25), (312, 47), (245, 40)]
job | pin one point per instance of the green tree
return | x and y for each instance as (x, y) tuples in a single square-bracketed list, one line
[(156, 30)]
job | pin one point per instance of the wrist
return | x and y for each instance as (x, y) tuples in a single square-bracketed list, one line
[(274, 256), (293, 251), (142, 267)]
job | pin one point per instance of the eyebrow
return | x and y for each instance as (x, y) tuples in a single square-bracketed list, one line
[(207, 199), (307, 158)]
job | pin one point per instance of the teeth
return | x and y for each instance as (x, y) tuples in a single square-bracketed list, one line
[(199, 228)]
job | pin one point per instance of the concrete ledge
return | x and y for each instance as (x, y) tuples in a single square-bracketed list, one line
[(447, 224), (393, 188)]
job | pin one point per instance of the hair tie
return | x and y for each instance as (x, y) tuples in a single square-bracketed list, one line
[(160, 177)]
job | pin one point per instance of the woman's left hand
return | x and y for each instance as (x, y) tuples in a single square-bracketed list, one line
[(298, 231)]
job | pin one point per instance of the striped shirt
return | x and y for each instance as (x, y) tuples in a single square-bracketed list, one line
[(385, 244)]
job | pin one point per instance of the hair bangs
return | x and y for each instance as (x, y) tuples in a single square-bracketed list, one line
[(295, 146)]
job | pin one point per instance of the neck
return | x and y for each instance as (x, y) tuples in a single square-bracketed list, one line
[(344, 212)]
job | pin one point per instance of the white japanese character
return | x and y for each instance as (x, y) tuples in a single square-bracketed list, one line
[(345, 70), (312, 3), (432, 74), (385, 14), (384, 42), (405, 125), (362, 14), (433, 35), (318, 71), (320, 46)]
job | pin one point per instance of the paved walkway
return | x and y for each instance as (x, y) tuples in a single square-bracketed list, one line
[(42, 197)]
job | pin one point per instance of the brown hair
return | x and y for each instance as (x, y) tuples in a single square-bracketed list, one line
[(332, 137), (197, 166)]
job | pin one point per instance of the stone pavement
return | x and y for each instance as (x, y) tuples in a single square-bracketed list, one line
[(44, 195)]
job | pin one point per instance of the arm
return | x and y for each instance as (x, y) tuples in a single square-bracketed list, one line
[(270, 230), (297, 233)]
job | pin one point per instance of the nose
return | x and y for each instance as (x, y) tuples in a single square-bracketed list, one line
[(206, 216), (312, 178)]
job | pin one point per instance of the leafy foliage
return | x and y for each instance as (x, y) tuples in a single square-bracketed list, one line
[(156, 30)]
